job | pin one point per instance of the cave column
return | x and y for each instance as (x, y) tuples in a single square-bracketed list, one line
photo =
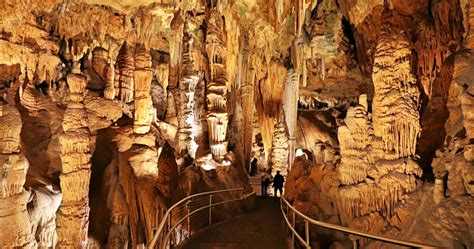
[(290, 106), (217, 117), (187, 86), (14, 219), (73, 214), (143, 114)]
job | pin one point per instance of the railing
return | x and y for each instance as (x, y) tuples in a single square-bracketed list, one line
[(191, 215), (290, 211)]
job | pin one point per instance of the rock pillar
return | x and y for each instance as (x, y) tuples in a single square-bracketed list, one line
[(14, 219), (73, 214)]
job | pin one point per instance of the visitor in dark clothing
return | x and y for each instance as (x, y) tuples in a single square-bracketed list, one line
[(266, 180), (278, 181)]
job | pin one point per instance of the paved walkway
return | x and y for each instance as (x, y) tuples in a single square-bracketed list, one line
[(261, 229)]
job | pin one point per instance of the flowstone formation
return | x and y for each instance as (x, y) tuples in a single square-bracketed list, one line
[(112, 111), (375, 148)]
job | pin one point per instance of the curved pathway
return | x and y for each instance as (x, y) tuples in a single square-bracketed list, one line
[(262, 228)]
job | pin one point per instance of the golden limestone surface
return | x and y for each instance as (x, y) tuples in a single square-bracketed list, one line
[(111, 111)]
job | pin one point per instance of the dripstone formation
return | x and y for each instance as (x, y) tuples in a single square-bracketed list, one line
[(113, 111)]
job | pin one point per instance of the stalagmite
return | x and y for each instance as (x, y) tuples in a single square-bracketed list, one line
[(73, 214), (144, 112), (279, 153), (14, 219)]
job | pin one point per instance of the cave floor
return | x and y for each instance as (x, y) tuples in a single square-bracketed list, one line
[(263, 228)]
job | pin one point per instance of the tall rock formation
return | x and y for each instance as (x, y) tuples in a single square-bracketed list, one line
[(217, 116), (144, 112), (376, 166), (14, 219), (73, 214)]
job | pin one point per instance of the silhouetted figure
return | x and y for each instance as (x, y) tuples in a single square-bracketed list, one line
[(278, 181), (253, 167), (265, 181)]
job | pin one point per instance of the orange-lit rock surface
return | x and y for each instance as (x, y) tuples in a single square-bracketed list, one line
[(112, 111)]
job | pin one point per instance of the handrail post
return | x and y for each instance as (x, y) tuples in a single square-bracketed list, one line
[(294, 227), (169, 229), (189, 218), (355, 245), (210, 210), (306, 231)]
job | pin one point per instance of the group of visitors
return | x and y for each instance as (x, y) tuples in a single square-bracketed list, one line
[(267, 179), (277, 180)]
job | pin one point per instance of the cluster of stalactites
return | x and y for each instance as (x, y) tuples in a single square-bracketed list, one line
[(396, 95), (364, 198), (269, 102), (375, 167), (217, 116), (73, 215)]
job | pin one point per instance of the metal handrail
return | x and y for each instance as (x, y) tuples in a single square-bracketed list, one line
[(166, 221), (307, 220)]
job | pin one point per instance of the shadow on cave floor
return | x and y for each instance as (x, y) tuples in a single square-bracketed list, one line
[(262, 228)]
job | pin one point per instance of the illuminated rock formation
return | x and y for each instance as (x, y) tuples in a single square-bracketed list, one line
[(279, 153), (124, 73), (395, 105), (114, 110), (374, 163), (187, 86), (143, 114), (290, 106), (217, 116), (73, 214), (15, 223)]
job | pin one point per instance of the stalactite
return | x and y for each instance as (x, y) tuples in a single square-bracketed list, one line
[(73, 214), (269, 102), (124, 70)]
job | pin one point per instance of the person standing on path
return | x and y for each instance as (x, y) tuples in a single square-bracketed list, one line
[(265, 181), (278, 181)]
